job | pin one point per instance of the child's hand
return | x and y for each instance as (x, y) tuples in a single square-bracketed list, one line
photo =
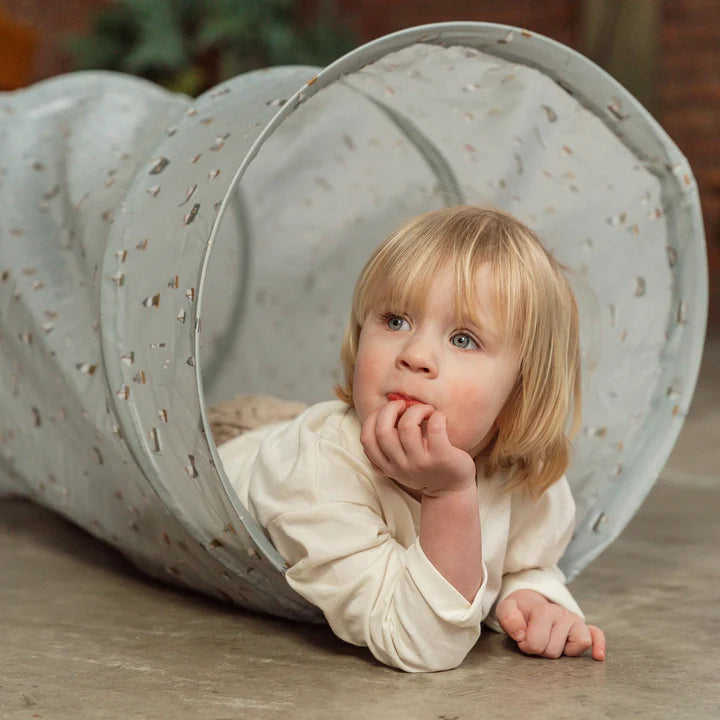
[(542, 627), (399, 448)]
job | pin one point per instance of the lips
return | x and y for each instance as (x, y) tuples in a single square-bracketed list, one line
[(409, 400)]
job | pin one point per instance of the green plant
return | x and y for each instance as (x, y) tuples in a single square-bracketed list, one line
[(191, 45)]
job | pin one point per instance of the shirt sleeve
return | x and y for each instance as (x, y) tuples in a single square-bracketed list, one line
[(540, 531), (375, 592)]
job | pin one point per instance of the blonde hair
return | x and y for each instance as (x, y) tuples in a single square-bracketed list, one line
[(538, 316)]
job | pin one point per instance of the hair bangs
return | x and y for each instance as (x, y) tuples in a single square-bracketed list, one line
[(398, 278), (507, 303)]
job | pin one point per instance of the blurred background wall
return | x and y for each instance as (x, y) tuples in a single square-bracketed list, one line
[(666, 52)]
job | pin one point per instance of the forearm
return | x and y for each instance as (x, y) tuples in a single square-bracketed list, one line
[(450, 537), (386, 596)]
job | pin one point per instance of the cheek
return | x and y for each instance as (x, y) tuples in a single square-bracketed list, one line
[(365, 383), (363, 370), (468, 399), (473, 410), (469, 416), (479, 412)]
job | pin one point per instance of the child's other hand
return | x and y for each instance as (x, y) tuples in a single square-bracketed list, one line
[(541, 627), (411, 445)]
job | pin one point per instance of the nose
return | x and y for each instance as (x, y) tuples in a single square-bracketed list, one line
[(417, 356)]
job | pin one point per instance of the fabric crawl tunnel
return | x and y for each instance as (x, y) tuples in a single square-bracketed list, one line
[(159, 255)]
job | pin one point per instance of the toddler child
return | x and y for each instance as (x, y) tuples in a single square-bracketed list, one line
[(431, 496)]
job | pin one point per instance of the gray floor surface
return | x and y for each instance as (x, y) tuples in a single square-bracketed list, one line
[(85, 635)]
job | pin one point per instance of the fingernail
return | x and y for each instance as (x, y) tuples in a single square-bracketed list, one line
[(520, 635)]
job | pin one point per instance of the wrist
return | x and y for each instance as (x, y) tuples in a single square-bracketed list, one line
[(461, 489), (527, 596)]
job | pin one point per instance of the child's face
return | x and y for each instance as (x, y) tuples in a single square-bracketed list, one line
[(462, 371)]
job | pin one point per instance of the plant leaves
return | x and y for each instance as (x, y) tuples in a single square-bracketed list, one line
[(283, 44), (160, 43), (192, 44), (114, 30)]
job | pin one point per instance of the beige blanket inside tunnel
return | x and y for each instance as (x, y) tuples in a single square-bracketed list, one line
[(247, 412)]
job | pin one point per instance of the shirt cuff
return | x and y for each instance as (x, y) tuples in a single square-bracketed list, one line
[(445, 600), (548, 582)]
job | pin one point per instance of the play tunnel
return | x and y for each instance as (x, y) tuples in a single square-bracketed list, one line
[(159, 255)]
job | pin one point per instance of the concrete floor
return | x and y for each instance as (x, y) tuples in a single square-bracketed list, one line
[(84, 635)]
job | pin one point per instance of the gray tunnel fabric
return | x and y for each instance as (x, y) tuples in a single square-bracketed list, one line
[(159, 255)]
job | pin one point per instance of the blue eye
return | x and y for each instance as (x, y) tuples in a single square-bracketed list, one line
[(396, 322), (464, 342)]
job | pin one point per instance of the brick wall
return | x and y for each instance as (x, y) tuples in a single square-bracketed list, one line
[(689, 110), (556, 18), (53, 21)]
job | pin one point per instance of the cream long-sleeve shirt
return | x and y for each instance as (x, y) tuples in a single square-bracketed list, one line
[(351, 539)]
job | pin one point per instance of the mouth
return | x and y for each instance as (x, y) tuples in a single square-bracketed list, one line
[(409, 400)]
